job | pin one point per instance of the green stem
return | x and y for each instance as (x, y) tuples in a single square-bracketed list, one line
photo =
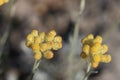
[(73, 41), (5, 35), (87, 72), (35, 67)]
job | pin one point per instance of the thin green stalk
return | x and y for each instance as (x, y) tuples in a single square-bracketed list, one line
[(4, 38), (73, 41), (87, 72), (34, 69)]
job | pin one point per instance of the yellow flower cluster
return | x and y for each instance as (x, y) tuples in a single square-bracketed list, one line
[(43, 44), (3, 1), (94, 50)]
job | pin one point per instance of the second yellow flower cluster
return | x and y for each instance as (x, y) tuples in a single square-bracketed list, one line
[(43, 44), (94, 50), (3, 1)]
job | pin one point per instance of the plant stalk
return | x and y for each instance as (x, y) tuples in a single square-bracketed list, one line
[(87, 72)]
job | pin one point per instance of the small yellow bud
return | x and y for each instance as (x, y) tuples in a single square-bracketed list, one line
[(42, 36), (95, 64), (37, 55), (58, 39), (87, 39), (35, 47), (95, 48), (48, 54), (50, 44), (108, 58), (37, 40), (96, 58), (57, 46), (30, 38), (104, 49), (43, 47), (83, 55), (52, 33), (84, 40), (97, 45), (98, 39), (34, 33), (86, 49), (105, 58), (50, 36), (28, 44), (90, 36)]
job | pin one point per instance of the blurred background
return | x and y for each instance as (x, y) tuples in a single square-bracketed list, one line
[(17, 19)]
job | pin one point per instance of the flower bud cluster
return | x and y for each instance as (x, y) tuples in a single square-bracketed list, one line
[(42, 44), (94, 50)]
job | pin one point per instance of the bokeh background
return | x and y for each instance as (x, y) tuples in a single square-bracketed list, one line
[(100, 17)]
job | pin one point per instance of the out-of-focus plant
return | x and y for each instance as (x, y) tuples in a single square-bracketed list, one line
[(42, 44), (94, 52), (11, 13)]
